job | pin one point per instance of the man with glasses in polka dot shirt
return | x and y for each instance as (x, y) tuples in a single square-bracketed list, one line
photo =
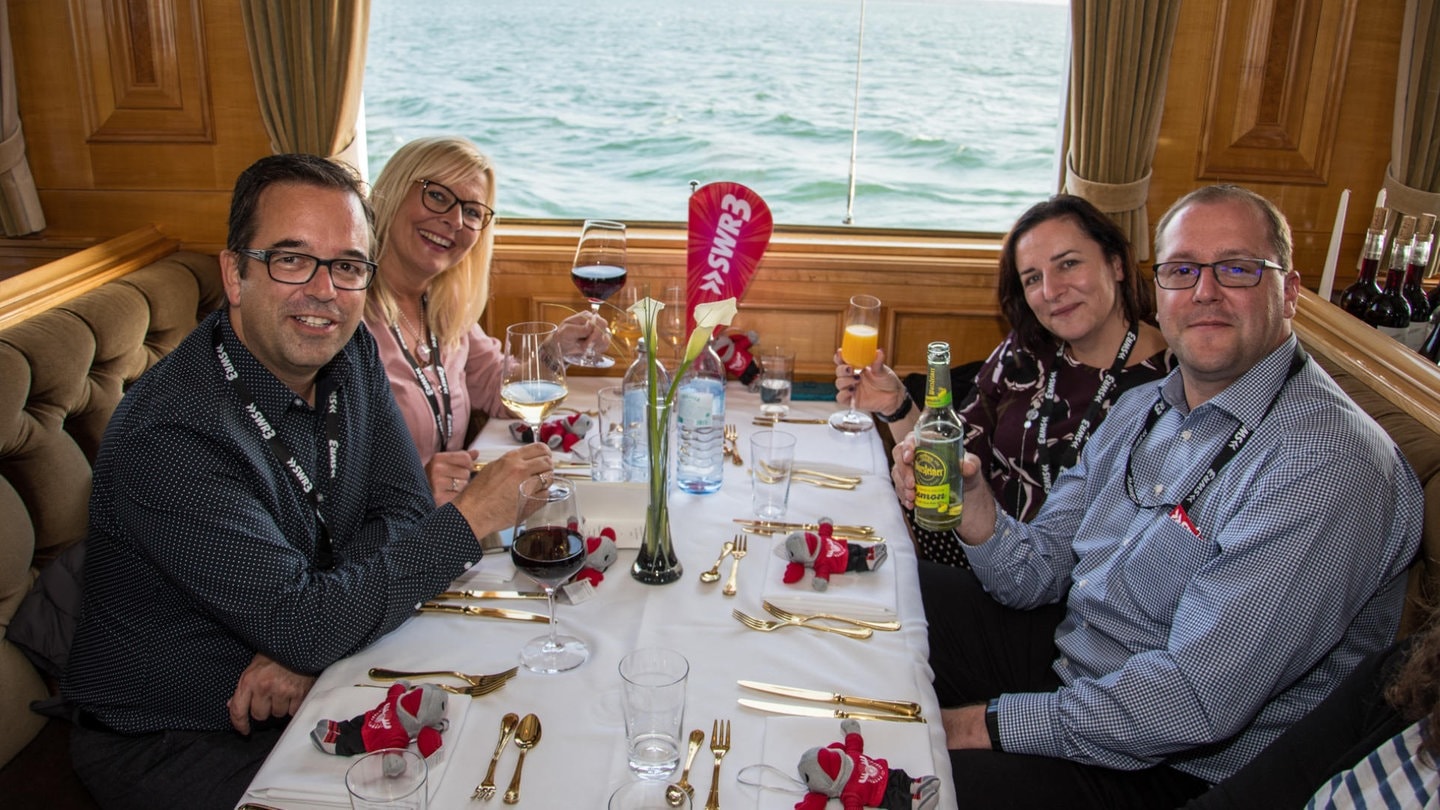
[(258, 511)]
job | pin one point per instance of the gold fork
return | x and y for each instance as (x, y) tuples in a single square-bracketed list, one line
[(732, 440), (719, 746), (736, 553), (767, 626), (786, 616), (383, 674)]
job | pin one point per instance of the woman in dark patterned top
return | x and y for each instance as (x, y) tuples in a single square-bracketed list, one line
[(1083, 332)]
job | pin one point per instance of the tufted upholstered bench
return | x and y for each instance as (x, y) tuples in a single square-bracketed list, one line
[(62, 372)]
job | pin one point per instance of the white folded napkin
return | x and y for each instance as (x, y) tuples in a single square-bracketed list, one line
[(298, 771), (857, 594), (904, 746)]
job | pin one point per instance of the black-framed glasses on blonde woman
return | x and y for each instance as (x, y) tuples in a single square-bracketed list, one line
[(439, 199)]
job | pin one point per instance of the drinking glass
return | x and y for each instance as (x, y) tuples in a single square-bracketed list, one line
[(777, 375), (533, 381), (388, 779), (857, 349), (598, 272), (549, 549), (670, 324), (625, 329)]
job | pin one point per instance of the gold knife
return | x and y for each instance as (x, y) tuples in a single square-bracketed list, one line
[(905, 707), (815, 711), (490, 612), (776, 525), (490, 595), (790, 420)]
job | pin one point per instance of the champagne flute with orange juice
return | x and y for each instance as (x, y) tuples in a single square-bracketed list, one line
[(857, 349)]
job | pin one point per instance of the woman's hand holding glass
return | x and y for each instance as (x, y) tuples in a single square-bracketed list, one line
[(858, 348)]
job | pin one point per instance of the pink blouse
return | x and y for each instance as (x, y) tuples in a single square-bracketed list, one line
[(473, 371)]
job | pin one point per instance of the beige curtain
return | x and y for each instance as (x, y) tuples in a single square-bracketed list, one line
[(308, 57), (1119, 60), (1412, 180), (19, 203)]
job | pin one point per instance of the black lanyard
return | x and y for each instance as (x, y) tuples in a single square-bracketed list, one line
[(439, 405), (1224, 455), (324, 549), (1092, 416)]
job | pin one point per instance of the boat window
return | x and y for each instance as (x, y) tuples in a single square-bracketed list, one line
[(613, 109)]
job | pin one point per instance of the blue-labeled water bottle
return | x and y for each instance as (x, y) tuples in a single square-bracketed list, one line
[(635, 389), (700, 425)]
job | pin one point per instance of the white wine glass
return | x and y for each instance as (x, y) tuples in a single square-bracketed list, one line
[(625, 327), (858, 349), (598, 272), (533, 381), (548, 548)]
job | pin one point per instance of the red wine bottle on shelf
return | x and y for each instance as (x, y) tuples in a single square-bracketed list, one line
[(1355, 299), (1388, 311), (1420, 308), (1431, 347)]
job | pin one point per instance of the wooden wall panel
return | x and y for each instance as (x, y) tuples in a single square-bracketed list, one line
[(1361, 133), (142, 70), (1272, 111)]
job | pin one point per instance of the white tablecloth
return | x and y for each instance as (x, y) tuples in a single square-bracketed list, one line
[(581, 757)]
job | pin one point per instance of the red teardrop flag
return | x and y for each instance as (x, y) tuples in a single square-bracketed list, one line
[(730, 228)]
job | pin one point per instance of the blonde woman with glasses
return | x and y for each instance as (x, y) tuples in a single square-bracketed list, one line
[(434, 213)]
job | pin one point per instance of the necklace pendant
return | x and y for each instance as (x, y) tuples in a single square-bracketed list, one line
[(422, 352)]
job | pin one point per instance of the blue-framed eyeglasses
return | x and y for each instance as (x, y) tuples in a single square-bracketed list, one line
[(1228, 273)]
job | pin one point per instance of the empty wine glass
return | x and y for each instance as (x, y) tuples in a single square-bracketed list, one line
[(671, 322), (858, 349), (548, 548), (533, 381), (598, 272)]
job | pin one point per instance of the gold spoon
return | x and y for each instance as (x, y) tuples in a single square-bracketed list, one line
[(486, 790), (713, 575), (673, 791), (527, 736)]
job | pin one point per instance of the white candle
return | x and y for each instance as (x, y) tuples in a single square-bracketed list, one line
[(1332, 256)]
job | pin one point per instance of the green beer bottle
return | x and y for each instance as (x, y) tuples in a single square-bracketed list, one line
[(939, 447)]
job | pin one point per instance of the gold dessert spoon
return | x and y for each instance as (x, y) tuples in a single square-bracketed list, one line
[(527, 736), (713, 575), (675, 792)]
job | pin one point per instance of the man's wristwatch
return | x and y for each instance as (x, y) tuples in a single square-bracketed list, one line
[(992, 723), (899, 413)]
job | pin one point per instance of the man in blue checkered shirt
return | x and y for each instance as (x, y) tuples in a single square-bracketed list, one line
[(1231, 543)]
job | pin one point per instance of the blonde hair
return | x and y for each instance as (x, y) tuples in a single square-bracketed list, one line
[(457, 296)]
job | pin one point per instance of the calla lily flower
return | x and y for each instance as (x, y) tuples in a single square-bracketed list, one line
[(707, 317)]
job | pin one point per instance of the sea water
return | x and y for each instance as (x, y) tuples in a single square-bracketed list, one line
[(611, 109)]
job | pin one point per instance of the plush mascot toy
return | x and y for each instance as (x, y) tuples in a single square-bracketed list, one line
[(407, 713), (842, 771), (824, 554), (561, 433), (600, 552), (734, 351)]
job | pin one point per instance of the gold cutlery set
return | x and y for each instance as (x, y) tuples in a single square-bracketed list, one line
[(814, 478), (840, 531), (824, 622), (735, 549), (526, 733), (895, 711)]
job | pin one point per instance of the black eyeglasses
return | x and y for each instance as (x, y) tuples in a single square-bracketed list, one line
[(474, 214), (1228, 273), (288, 267)]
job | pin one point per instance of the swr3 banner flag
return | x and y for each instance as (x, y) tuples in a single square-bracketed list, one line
[(730, 228)]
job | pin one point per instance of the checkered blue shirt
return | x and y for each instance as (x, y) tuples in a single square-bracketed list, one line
[(1198, 651)]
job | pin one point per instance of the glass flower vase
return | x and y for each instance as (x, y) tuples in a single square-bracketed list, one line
[(656, 563)]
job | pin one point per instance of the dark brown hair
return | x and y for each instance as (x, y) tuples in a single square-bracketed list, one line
[(306, 170), (1137, 297), (1415, 692)]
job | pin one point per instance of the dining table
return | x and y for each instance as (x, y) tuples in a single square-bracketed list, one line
[(581, 757)]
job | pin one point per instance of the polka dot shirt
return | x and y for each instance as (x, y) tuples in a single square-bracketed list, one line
[(203, 548)]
